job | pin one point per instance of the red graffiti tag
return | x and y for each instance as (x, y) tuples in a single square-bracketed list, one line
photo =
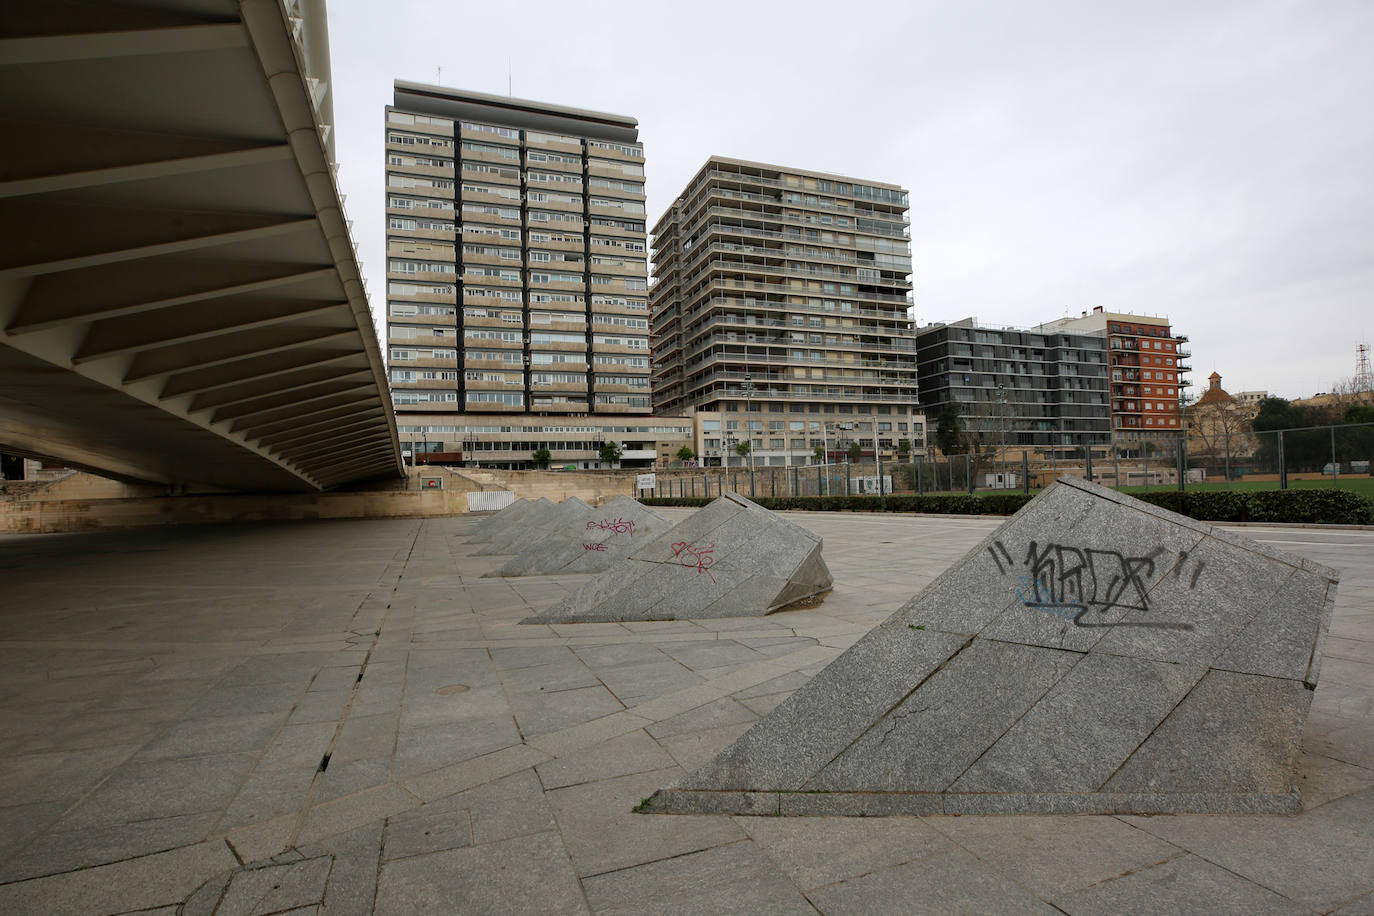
[(614, 526), (698, 555)]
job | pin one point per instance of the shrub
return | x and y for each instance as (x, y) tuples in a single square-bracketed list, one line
[(1329, 507)]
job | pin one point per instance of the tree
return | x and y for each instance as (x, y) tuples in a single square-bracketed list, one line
[(610, 452), (949, 429), (685, 454), (904, 449), (743, 449), (818, 454), (541, 457), (854, 452)]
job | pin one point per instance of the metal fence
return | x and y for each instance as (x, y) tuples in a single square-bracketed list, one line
[(1331, 456)]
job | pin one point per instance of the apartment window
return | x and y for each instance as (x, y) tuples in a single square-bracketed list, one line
[(508, 398), (505, 152), (504, 132)]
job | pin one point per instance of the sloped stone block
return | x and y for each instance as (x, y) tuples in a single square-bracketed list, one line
[(589, 542), (1094, 655), (732, 558), (534, 526), (512, 518)]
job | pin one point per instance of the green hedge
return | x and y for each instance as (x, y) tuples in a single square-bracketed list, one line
[(959, 504), (1329, 507)]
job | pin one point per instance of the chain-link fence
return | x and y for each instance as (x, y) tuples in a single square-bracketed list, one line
[(1324, 456)]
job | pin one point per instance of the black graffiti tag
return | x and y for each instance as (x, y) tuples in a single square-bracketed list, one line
[(1072, 582)]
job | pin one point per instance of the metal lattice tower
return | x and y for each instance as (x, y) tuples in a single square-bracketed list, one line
[(1364, 379)]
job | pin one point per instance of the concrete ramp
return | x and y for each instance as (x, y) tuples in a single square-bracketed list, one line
[(1094, 655), (534, 527), (592, 542), (732, 558)]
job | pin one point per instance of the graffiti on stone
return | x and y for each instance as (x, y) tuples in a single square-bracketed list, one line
[(613, 525), (1077, 582), (701, 556)]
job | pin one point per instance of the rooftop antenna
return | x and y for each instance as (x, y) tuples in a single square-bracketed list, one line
[(509, 91), (438, 76)]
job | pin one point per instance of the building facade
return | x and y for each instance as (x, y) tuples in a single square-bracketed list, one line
[(780, 305), (1148, 377), (517, 277), (1015, 388)]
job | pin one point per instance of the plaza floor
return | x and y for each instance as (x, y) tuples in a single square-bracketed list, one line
[(344, 717)]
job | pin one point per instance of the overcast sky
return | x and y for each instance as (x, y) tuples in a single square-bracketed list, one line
[(1208, 161)]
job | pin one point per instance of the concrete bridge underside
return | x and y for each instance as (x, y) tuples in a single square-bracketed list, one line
[(180, 299)]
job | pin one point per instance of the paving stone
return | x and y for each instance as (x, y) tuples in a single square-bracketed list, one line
[(273, 888), (815, 852), (1319, 863), (142, 883), (62, 850), (627, 754), (1178, 886), (525, 874), (219, 735), (140, 790), (355, 811), (352, 887), (1055, 856), (602, 833), (724, 711), (947, 881), (727, 879)]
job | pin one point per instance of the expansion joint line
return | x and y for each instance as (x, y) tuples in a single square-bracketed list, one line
[(352, 695)]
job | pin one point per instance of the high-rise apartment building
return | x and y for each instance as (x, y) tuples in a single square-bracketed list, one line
[(780, 303), (517, 281), (1148, 374), (1022, 388)]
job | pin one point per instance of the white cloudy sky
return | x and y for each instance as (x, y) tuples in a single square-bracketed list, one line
[(1209, 161)]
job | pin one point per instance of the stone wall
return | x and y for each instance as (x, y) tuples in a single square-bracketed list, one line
[(83, 502)]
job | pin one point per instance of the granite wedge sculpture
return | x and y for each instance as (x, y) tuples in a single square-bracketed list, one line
[(590, 542), (499, 521), (732, 558), (536, 525), (1094, 655), (514, 516)]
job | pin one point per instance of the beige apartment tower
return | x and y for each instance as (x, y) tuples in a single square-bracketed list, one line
[(780, 303), (517, 280)]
